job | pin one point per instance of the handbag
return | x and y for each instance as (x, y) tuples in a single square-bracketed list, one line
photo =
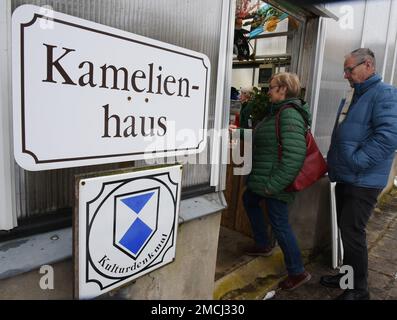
[(314, 165)]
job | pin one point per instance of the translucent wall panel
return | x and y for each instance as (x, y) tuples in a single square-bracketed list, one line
[(361, 23), (242, 78), (341, 37), (274, 45), (390, 67), (375, 28), (271, 46)]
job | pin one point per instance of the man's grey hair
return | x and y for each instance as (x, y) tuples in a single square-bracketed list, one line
[(363, 54)]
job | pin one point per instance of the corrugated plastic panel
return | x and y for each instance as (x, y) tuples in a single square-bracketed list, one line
[(362, 23)]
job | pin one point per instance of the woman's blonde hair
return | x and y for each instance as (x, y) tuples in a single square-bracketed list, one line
[(290, 81)]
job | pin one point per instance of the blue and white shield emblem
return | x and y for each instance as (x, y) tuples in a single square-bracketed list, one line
[(128, 226), (135, 220)]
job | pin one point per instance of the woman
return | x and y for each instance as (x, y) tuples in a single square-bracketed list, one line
[(270, 175)]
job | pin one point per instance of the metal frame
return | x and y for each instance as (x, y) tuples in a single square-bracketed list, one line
[(336, 241), (318, 69), (226, 100), (220, 144), (7, 183), (393, 68), (364, 25), (387, 40), (301, 48)]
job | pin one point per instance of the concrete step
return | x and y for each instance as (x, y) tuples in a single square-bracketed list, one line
[(251, 280), (242, 277), (239, 276)]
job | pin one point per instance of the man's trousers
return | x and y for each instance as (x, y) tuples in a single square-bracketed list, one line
[(354, 206)]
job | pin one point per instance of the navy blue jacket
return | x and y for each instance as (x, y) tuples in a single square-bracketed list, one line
[(363, 145)]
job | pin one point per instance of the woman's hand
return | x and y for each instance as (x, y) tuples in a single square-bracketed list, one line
[(232, 128), (267, 192)]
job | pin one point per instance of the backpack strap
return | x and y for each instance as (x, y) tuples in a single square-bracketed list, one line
[(278, 132)]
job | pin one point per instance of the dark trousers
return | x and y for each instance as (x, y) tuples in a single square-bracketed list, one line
[(354, 206)]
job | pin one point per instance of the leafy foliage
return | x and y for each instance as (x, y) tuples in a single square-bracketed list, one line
[(260, 109)]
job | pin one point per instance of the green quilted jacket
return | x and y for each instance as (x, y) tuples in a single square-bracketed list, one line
[(269, 177)]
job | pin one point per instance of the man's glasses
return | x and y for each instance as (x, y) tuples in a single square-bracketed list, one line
[(349, 70), (272, 87)]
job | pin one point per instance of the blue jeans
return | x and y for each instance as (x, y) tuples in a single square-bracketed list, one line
[(278, 216)]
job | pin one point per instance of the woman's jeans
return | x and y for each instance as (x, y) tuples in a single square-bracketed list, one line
[(278, 216)]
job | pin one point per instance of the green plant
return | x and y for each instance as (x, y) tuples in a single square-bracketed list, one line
[(260, 108)]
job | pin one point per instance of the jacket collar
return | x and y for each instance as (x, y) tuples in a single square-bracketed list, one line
[(360, 88), (275, 106)]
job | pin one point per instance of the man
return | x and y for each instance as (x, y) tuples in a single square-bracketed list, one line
[(246, 107), (245, 115), (362, 148)]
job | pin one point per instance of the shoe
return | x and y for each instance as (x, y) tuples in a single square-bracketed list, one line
[(331, 281), (259, 251), (294, 281), (354, 294)]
